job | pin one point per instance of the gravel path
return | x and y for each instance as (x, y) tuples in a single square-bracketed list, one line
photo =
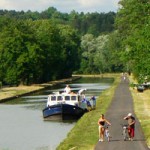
[(121, 105)]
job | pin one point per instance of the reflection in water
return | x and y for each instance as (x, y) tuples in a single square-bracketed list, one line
[(22, 126)]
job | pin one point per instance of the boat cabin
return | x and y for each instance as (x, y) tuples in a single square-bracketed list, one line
[(62, 99)]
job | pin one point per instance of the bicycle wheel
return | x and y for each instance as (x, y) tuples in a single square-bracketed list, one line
[(108, 136), (124, 135)]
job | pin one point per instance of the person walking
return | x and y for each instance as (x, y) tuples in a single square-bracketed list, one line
[(131, 125), (93, 99), (101, 122)]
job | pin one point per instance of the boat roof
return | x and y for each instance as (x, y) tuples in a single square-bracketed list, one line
[(63, 94), (80, 92)]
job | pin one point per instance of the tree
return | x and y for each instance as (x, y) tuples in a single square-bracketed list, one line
[(17, 41), (133, 17), (48, 37), (95, 54), (70, 50), (115, 60), (87, 49)]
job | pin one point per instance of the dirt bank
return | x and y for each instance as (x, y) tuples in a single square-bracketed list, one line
[(9, 93)]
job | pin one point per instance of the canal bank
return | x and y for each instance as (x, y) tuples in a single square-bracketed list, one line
[(10, 93), (84, 135)]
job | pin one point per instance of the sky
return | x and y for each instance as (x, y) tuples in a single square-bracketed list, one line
[(64, 6)]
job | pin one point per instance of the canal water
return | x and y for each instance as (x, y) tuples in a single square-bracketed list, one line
[(21, 123)]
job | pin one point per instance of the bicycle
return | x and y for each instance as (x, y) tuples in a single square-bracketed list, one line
[(124, 131), (107, 134)]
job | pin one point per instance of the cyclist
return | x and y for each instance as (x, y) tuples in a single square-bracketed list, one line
[(101, 123), (131, 125)]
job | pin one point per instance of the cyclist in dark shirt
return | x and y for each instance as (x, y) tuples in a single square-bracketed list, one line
[(101, 123), (131, 125)]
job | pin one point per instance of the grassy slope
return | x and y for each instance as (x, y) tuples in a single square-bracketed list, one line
[(84, 135), (14, 91), (11, 92)]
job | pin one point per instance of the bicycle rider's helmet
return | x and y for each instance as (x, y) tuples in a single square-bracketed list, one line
[(129, 114)]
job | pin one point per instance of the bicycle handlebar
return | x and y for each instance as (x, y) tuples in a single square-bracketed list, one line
[(106, 126)]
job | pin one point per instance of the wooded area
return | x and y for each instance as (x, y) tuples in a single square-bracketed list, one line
[(39, 47), (133, 27)]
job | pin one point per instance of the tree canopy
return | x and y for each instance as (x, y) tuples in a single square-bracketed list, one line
[(132, 22), (36, 51), (39, 47)]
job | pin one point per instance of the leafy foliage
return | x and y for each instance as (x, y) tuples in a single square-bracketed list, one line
[(133, 22), (39, 47), (91, 23), (99, 54), (34, 51)]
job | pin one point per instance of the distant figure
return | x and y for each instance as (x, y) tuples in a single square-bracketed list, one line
[(87, 102), (124, 77), (48, 102), (131, 125), (67, 89), (84, 100), (94, 101)]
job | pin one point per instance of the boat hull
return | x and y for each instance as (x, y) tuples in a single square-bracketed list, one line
[(70, 112), (63, 112), (52, 112)]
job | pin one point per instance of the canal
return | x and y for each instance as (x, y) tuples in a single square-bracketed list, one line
[(22, 126)]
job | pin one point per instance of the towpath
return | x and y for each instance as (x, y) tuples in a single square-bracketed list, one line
[(121, 105)]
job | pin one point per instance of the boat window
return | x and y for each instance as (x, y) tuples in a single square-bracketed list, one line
[(74, 98), (67, 98), (53, 98), (59, 98)]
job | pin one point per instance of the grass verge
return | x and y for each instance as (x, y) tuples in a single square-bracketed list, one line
[(142, 109), (15, 91), (84, 134)]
